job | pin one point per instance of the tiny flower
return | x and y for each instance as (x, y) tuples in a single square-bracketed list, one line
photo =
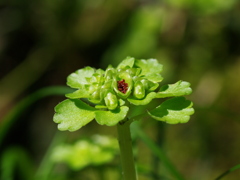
[(122, 86)]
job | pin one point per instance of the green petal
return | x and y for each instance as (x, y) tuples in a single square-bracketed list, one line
[(144, 101), (129, 61), (150, 66), (180, 88), (78, 78), (111, 118), (173, 111), (72, 114)]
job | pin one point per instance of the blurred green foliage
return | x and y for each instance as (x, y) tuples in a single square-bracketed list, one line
[(98, 151), (41, 42)]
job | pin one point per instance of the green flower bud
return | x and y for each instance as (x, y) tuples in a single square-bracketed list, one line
[(149, 85), (133, 71), (92, 88), (139, 90), (110, 73), (111, 101), (95, 97), (105, 89), (131, 80), (107, 84)]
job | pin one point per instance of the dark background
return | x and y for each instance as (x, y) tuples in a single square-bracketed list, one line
[(42, 42)]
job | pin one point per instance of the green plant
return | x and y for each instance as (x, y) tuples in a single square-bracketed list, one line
[(111, 96), (95, 151)]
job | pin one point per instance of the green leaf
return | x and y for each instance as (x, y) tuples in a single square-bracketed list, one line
[(180, 88), (72, 114), (150, 66), (129, 61), (173, 111), (78, 78), (100, 106), (144, 101), (80, 93), (111, 118), (154, 77)]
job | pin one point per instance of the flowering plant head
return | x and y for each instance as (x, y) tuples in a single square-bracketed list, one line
[(132, 81), (109, 93)]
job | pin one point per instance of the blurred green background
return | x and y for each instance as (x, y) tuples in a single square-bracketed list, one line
[(42, 42)]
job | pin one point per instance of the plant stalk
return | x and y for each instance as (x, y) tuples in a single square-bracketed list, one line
[(126, 152)]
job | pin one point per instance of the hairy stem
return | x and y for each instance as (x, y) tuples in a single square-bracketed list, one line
[(126, 153)]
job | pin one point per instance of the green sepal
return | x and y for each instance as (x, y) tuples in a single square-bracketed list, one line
[(121, 102), (133, 71), (180, 88), (139, 90), (111, 101), (107, 85), (72, 114), (149, 85), (111, 118), (150, 66), (129, 61), (144, 101), (109, 73), (78, 78), (95, 97), (173, 111), (100, 71), (97, 76)]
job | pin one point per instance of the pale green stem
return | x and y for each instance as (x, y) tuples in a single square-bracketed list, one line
[(126, 153)]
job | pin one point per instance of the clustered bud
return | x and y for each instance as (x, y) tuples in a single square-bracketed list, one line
[(106, 95), (111, 88)]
